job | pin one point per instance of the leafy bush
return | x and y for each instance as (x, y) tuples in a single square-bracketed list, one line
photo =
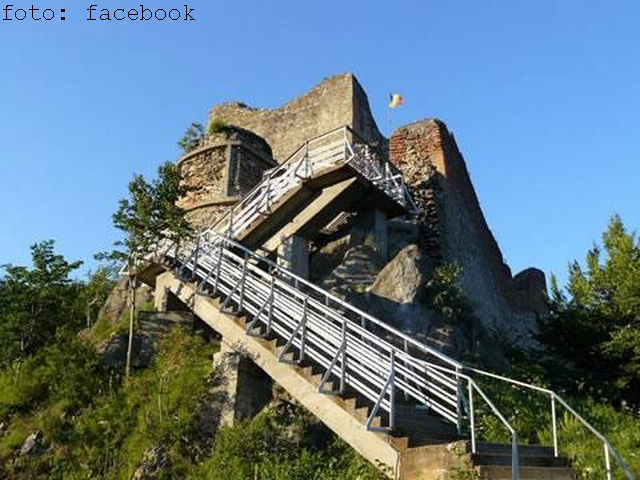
[(527, 413), (217, 125), (445, 293), (274, 446), (68, 371)]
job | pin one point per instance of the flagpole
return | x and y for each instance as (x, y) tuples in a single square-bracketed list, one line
[(389, 117)]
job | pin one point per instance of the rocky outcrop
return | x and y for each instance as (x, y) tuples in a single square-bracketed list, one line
[(118, 301), (32, 444), (154, 461), (149, 329), (403, 279)]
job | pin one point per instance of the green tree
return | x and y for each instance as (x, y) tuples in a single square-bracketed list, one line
[(595, 323), (192, 137), (149, 215), (37, 301), (98, 287), (444, 292)]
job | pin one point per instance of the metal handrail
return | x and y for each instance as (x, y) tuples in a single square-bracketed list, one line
[(310, 155), (281, 301), (301, 282), (554, 397), (334, 332), (383, 360)]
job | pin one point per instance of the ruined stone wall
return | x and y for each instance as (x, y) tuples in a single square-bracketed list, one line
[(337, 101), (245, 170), (456, 229), (204, 173), (227, 165)]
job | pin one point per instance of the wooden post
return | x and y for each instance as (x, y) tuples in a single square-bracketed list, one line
[(132, 315)]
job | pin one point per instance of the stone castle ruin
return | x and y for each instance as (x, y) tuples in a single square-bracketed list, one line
[(390, 277), (319, 262)]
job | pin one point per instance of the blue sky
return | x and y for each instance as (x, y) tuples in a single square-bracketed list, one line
[(543, 98)]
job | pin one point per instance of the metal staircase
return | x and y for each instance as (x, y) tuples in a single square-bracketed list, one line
[(409, 389), (322, 156)]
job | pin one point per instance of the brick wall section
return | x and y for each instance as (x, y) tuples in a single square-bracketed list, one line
[(337, 101), (453, 227)]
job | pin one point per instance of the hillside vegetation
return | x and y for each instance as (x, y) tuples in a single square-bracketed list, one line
[(65, 413)]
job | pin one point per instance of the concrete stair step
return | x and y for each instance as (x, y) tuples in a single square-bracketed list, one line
[(361, 413), (425, 423), (307, 372), (525, 461), (350, 404), (417, 439), (526, 473), (504, 449), (400, 443), (289, 357)]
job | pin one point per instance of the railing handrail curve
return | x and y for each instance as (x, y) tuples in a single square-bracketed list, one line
[(621, 463)]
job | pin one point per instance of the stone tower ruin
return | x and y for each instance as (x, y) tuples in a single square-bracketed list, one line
[(226, 165)]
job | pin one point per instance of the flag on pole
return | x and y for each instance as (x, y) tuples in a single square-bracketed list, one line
[(395, 99)]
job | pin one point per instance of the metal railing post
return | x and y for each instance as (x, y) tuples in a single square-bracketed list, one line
[(607, 461), (515, 467), (392, 392), (242, 281), (343, 373), (472, 420), (230, 229), (405, 347), (554, 424), (195, 257), (219, 269), (344, 143), (303, 336), (268, 202), (459, 402), (271, 298)]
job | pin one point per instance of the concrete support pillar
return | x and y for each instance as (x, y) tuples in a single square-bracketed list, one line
[(293, 254), (245, 387), (163, 299)]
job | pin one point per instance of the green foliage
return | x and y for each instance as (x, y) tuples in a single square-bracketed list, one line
[(65, 371), (530, 414), (35, 302), (217, 125), (192, 137), (445, 294), (595, 330), (97, 290), (151, 213), (105, 328), (274, 446), (156, 407), (96, 427)]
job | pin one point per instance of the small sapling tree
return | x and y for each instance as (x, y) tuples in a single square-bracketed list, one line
[(148, 215), (192, 137)]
